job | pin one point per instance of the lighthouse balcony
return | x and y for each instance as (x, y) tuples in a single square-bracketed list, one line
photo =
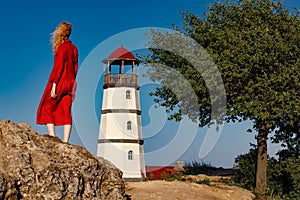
[(120, 80)]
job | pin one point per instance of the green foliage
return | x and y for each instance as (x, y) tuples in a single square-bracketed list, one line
[(245, 168), (256, 46), (151, 176), (205, 181), (284, 178), (283, 175), (164, 175), (228, 181), (174, 177), (196, 167), (291, 144)]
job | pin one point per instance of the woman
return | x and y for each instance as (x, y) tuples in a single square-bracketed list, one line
[(55, 106)]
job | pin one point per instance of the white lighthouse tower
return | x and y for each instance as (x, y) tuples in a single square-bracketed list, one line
[(120, 135)]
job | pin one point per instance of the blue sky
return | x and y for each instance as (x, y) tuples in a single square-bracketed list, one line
[(26, 61)]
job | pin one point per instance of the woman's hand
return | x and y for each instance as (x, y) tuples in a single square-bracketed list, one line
[(53, 91)]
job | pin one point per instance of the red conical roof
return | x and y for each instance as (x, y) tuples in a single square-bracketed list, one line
[(121, 53)]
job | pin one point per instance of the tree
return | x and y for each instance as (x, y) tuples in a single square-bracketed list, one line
[(283, 174), (256, 46)]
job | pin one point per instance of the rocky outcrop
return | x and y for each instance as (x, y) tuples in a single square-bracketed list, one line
[(34, 166)]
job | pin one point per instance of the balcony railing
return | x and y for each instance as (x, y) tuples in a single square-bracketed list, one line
[(118, 80)]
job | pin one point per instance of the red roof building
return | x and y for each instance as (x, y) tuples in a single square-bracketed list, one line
[(162, 172), (121, 53)]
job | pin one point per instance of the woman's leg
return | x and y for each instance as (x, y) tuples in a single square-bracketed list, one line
[(51, 129), (67, 132)]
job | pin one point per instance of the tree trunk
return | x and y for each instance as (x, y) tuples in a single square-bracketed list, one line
[(262, 156)]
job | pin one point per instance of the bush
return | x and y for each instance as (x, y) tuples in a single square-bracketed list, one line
[(205, 181), (151, 177), (284, 178), (174, 177), (245, 168), (283, 175), (198, 167)]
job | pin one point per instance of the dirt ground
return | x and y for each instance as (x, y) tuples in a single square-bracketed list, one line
[(186, 190)]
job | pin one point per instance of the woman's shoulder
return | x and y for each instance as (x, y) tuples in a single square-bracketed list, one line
[(67, 44)]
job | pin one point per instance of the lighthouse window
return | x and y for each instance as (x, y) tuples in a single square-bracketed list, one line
[(129, 125), (130, 155), (128, 94)]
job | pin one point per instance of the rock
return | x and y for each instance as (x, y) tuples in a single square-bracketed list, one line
[(40, 167)]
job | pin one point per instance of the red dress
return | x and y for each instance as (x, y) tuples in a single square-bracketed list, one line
[(57, 110)]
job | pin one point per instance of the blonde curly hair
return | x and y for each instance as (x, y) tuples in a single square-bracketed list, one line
[(61, 33)]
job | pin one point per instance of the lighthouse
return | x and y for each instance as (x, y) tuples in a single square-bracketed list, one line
[(120, 132)]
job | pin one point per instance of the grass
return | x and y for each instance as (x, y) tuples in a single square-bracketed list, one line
[(228, 181), (198, 167), (205, 181), (175, 177)]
